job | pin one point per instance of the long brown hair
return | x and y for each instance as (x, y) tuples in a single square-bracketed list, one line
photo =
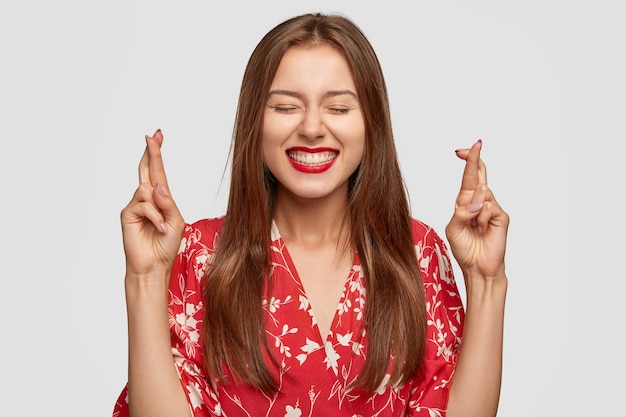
[(379, 223)]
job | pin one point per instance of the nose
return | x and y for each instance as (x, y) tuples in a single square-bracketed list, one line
[(312, 126)]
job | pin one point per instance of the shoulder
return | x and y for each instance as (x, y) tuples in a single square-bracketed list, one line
[(423, 233), (195, 253), (208, 226), (432, 253), (201, 234)]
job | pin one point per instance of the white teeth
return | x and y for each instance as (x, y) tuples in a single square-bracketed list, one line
[(312, 159)]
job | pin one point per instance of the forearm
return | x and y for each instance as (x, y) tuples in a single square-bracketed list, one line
[(475, 390), (154, 388)]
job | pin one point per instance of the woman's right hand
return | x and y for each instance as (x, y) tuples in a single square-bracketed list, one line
[(152, 226)]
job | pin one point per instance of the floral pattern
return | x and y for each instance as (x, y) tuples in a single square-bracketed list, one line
[(314, 374)]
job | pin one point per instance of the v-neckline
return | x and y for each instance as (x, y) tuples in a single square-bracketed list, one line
[(276, 236)]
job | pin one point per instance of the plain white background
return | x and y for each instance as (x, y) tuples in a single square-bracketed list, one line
[(81, 83)]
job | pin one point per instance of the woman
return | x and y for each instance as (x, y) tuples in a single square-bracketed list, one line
[(307, 297)]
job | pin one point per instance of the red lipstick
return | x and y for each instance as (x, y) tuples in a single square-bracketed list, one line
[(312, 161)]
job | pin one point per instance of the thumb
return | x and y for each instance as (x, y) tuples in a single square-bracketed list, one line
[(463, 215)]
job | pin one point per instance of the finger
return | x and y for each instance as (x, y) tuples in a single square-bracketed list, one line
[(155, 161), (482, 197), (144, 163), (167, 207), (144, 211), (143, 193), (470, 210), (482, 172), (464, 217), (491, 215), (143, 207), (472, 162), (143, 170), (482, 169)]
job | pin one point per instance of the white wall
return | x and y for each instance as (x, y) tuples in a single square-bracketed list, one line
[(82, 82)]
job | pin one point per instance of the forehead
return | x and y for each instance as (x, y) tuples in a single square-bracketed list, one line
[(313, 68)]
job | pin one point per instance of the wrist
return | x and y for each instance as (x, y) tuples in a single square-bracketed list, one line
[(481, 287), (147, 282), (475, 274)]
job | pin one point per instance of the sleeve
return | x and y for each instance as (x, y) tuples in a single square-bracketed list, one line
[(445, 315), (186, 310)]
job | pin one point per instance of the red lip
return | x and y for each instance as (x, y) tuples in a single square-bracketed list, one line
[(308, 169), (311, 169), (311, 150)]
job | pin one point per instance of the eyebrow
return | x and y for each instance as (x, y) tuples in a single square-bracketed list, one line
[(328, 94)]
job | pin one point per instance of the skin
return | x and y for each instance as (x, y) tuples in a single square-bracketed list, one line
[(313, 105), (152, 228), (309, 214), (477, 235)]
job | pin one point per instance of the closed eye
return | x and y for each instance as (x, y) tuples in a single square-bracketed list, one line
[(339, 110), (283, 108), (342, 109)]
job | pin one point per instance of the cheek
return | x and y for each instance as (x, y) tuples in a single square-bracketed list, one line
[(276, 131), (350, 132), (268, 137), (273, 136)]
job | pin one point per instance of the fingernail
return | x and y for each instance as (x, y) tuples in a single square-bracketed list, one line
[(157, 131), (480, 230), (475, 207), (160, 190), (163, 227)]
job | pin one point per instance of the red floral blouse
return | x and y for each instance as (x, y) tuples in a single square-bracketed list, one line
[(314, 374)]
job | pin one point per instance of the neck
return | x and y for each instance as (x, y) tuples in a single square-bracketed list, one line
[(312, 221)]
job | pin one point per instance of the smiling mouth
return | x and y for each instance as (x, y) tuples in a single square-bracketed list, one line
[(312, 159)]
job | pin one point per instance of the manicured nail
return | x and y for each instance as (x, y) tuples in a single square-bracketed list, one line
[(163, 227), (475, 207), (160, 190)]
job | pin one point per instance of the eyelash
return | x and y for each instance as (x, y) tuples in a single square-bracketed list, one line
[(335, 110), (281, 109)]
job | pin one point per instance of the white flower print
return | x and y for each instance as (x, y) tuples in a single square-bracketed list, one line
[(304, 302), (193, 391), (295, 344), (292, 412), (273, 305), (278, 342), (331, 357), (185, 316), (357, 349), (344, 307), (344, 340), (310, 347), (306, 306), (182, 246), (444, 265)]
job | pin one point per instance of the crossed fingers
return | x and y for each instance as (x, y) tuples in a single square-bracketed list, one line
[(151, 169), (474, 180)]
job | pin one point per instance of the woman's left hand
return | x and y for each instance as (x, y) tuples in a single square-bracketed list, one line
[(478, 228)]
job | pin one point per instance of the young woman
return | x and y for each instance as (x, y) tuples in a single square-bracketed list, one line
[(317, 293)]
